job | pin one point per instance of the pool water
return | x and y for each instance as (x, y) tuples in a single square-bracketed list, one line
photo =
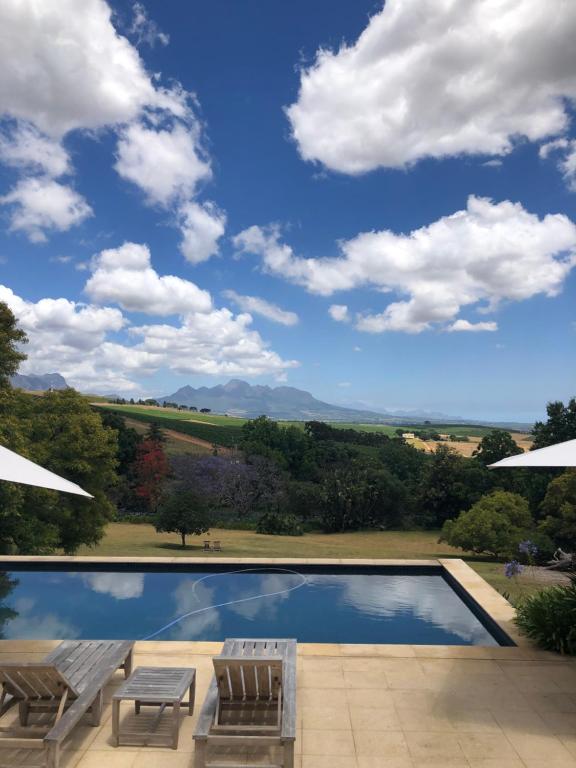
[(375, 606)]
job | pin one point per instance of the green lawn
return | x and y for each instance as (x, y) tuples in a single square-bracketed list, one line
[(173, 415), (125, 539)]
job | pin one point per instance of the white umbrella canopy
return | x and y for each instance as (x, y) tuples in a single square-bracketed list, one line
[(559, 455), (16, 469)]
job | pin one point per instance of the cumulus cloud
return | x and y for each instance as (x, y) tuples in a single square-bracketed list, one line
[(212, 343), (437, 78), (166, 163), (40, 205), (257, 306), (339, 312), (565, 152), (23, 146), (145, 30), (62, 70), (201, 226), (125, 276), (483, 255), (466, 325)]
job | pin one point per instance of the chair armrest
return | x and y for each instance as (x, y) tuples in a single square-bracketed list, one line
[(206, 716)]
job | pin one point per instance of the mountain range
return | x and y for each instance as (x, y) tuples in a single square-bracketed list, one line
[(34, 382), (239, 398)]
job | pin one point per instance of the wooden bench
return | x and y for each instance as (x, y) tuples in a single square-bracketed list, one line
[(70, 682), (154, 686), (251, 701)]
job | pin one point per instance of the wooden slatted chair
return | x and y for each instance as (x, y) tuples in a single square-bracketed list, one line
[(251, 701), (69, 683)]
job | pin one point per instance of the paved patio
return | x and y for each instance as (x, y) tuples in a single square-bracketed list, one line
[(363, 706)]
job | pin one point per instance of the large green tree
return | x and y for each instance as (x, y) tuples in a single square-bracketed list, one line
[(496, 445), (184, 513), (496, 524), (559, 510), (560, 425), (62, 433), (10, 338)]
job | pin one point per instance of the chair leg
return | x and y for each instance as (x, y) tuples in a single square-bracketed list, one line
[(191, 698), (115, 722), (23, 711), (288, 754), (52, 755), (200, 748), (128, 664), (96, 709), (175, 723)]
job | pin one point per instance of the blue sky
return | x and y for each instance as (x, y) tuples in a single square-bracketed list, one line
[(284, 153)]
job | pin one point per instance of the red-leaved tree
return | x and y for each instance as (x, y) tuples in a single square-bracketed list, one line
[(150, 472)]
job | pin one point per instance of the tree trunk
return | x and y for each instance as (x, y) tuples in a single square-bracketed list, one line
[(183, 537)]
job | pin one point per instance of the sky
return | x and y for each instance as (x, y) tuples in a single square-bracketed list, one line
[(373, 202)]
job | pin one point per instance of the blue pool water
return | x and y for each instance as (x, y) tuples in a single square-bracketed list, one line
[(366, 606)]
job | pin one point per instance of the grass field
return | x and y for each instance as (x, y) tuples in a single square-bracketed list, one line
[(125, 539), (173, 446)]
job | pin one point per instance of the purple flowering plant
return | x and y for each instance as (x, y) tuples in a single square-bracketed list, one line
[(513, 568)]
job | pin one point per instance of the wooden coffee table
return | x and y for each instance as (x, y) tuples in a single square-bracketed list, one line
[(154, 686)]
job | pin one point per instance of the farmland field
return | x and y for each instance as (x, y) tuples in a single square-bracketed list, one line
[(226, 430)]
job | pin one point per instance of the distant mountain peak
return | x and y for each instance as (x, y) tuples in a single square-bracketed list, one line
[(38, 382), (240, 398)]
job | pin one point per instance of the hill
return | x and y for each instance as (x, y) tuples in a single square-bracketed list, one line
[(34, 382), (242, 399)]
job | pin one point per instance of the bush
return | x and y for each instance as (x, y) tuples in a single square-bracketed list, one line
[(496, 524), (549, 618), (559, 510), (279, 524)]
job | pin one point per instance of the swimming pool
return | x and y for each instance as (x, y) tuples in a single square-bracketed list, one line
[(416, 605)]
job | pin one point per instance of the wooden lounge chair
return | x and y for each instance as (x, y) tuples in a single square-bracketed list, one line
[(217, 547), (251, 701), (69, 682)]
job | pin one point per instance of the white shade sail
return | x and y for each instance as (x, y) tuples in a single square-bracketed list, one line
[(16, 469), (559, 455)]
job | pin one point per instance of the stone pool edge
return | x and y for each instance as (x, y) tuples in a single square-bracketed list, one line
[(477, 588)]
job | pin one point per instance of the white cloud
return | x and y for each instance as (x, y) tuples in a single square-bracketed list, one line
[(492, 163), (213, 343), (40, 205), (257, 306), (25, 147), (145, 30), (167, 164), (121, 586), (466, 325), (125, 276), (565, 151), (201, 227), (339, 312), (344, 384), (357, 349), (62, 69), (435, 78), (489, 252)]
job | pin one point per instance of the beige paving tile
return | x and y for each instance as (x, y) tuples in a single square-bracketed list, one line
[(322, 679), (376, 697), (109, 760), (320, 697), (486, 745), (473, 721), (391, 744), (326, 718), (323, 742), (498, 762), (423, 719), (433, 746), (384, 761), (549, 750), (166, 759), (365, 680), (371, 718), (329, 761), (511, 721)]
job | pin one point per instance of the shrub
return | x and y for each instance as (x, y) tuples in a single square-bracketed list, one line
[(549, 618), (496, 524), (559, 510), (279, 524)]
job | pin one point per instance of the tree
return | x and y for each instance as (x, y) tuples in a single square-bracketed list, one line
[(10, 337), (61, 432), (155, 434), (497, 444), (559, 510), (443, 490), (184, 513), (560, 426), (150, 471), (128, 439), (495, 524)]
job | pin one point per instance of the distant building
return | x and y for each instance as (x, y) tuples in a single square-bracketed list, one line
[(408, 435)]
